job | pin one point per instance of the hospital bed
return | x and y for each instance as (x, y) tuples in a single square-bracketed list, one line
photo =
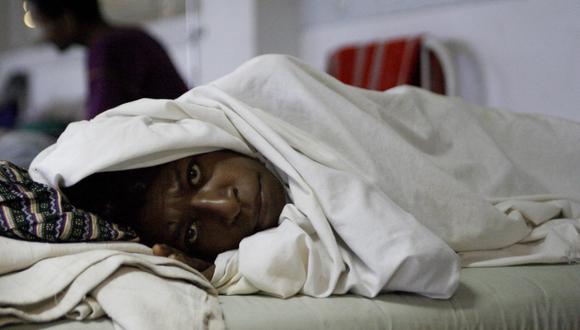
[(514, 297), (519, 297)]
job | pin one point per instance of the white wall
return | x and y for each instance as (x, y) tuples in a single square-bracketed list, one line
[(279, 26), (519, 55), (235, 31), (228, 36), (345, 11)]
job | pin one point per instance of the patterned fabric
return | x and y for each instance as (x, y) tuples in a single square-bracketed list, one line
[(36, 212)]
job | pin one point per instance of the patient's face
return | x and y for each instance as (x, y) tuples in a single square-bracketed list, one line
[(206, 204)]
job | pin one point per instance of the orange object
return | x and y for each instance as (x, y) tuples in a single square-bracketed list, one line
[(386, 64)]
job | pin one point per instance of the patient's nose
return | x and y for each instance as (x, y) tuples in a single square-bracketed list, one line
[(221, 201)]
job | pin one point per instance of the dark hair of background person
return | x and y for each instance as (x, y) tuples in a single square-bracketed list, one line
[(88, 10)]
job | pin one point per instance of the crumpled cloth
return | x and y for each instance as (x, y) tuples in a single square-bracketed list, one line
[(42, 282)]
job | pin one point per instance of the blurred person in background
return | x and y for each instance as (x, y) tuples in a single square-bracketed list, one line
[(124, 63)]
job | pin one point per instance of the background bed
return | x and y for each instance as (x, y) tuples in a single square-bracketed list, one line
[(519, 297)]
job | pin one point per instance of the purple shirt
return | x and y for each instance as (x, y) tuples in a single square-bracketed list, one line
[(126, 64)]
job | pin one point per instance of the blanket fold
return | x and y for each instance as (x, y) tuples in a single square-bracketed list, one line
[(42, 282)]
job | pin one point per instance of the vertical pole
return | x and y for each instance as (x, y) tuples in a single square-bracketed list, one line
[(193, 49)]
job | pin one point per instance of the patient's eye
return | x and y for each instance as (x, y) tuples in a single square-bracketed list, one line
[(194, 174), (191, 235)]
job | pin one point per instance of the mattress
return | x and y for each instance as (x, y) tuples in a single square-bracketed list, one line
[(523, 297), (518, 297)]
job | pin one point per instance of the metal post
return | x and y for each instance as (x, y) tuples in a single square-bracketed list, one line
[(194, 31)]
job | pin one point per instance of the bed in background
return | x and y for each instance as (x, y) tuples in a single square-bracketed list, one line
[(508, 54)]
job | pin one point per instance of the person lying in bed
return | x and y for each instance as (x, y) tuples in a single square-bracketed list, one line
[(387, 191), (190, 209)]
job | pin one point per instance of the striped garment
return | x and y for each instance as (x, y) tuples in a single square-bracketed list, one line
[(36, 212)]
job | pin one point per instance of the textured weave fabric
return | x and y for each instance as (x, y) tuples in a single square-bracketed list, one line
[(36, 212)]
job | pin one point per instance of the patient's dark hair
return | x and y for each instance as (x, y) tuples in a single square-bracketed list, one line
[(83, 9), (114, 196)]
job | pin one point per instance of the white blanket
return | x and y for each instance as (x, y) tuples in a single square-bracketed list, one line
[(384, 186), (42, 282)]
